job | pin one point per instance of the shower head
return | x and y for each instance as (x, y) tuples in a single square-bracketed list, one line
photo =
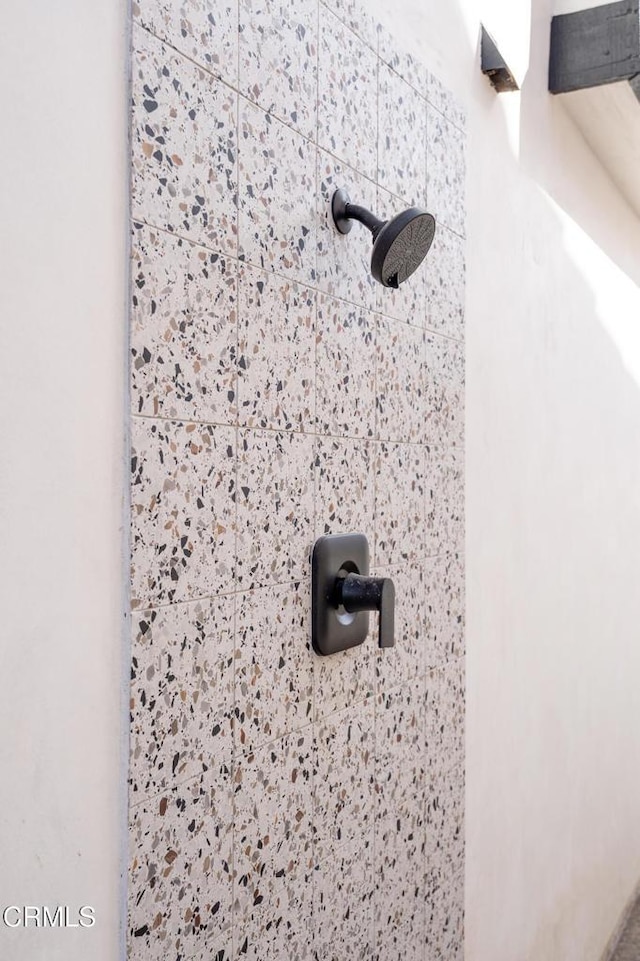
[(399, 245)]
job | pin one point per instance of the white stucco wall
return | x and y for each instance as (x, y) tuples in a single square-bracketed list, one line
[(63, 200), (553, 514), (573, 6)]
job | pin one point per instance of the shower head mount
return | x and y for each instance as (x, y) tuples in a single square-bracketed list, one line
[(399, 245)]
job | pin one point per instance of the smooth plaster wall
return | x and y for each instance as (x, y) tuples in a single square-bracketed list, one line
[(573, 6), (282, 805), (63, 208), (553, 514)]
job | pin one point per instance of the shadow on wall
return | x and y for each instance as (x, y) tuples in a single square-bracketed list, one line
[(553, 534)]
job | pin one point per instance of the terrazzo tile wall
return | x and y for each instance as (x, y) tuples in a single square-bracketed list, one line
[(285, 806)]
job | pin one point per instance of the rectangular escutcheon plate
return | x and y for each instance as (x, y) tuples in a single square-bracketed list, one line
[(334, 629)]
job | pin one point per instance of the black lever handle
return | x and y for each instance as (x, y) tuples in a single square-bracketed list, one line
[(358, 593)]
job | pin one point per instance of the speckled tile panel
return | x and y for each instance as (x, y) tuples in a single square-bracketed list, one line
[(344, 680), (446, 102), (183, 329), (445, 171), (354, 14), (400, 827), (393, 53), (400, 381), (287, 806), (347, 95), (445, 919), (182, 511), (402, 138), (400, 504), (408, 302), (275, 507), (346, 369), (277, 174), (444, 488), (627, 943), (273, 892), (344, 486), (445, 276), (275, 924), (184, 143), (276, 351), (343, 905), (399, 901), (180, 874), (343, 806), (445, 822), (204, 30), (400, 760), (445, 598), (445, 693), (182, 694), (344, 260), (445, 375), (400, 821), (274, 664), (278, 59)]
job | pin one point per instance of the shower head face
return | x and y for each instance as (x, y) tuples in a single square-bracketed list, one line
[(401, 246)]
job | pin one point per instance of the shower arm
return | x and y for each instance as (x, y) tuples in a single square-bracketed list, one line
[(399, 245), (344, 213), (364, 216)]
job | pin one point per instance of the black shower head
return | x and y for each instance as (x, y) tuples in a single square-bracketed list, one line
[(399, 245)]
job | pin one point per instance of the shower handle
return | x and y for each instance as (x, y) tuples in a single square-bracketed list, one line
[(356, 592)]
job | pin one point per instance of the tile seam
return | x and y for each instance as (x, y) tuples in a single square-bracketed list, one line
[(243, 262)]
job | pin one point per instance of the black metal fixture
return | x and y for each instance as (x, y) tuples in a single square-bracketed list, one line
[(494, 66), (399, 245), (343, 592)]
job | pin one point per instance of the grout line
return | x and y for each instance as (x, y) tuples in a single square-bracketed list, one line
[(395, 566), (344, 23), (125, 634), (241, 262), (422, 93), (235, 550), (308, 640), (427, 194), (318, 36), (446, 119), (374, 452), (164, 419), (187, 57), (238, 756), (377, 110), (239, 93), (178, 783), (316, 309), (314, 143), (374, 546)]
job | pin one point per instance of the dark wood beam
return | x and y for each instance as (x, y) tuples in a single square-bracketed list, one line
[(595, 46)]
